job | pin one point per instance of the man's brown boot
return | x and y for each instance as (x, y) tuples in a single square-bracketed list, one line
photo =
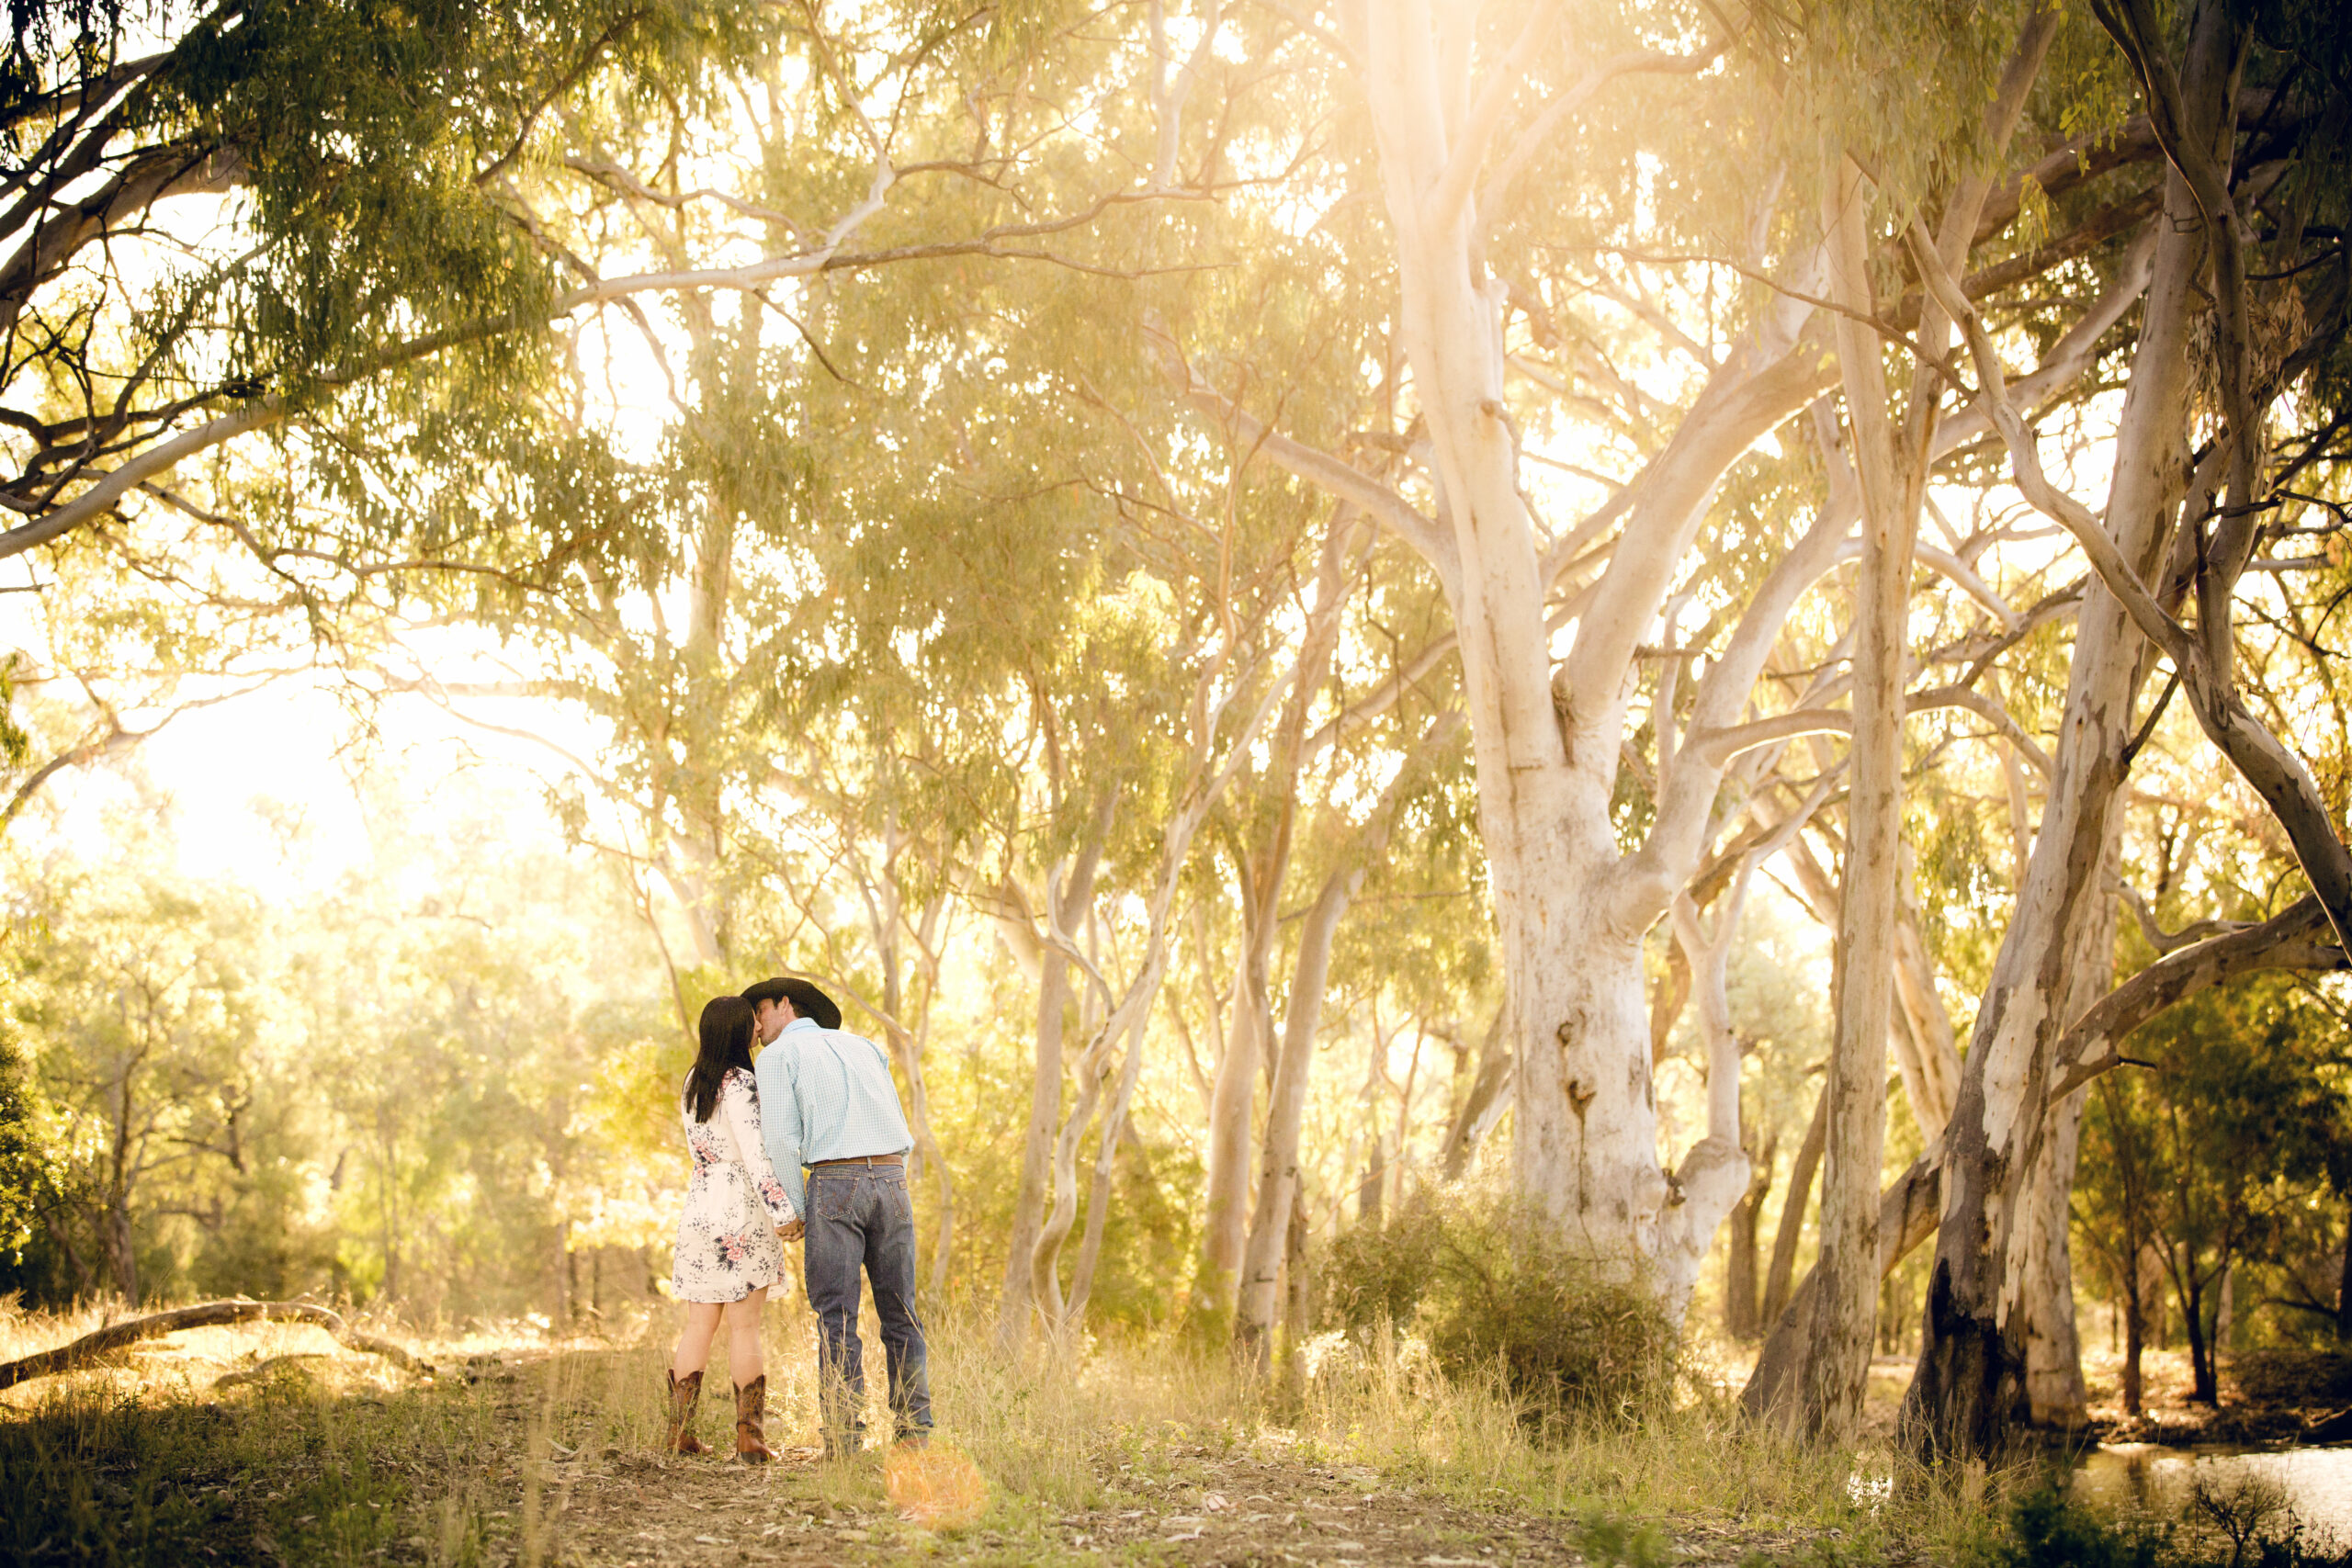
[(684, 1391), (750, 1405)]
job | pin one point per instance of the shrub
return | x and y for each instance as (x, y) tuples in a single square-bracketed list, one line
[(2288, 1376), (1491, 1286), (2049, 1529)]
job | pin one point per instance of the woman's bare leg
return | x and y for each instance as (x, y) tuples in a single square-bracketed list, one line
[(694, 1337), (744, 1336)]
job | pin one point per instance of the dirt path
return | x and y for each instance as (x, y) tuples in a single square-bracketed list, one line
[(1184, 1504)]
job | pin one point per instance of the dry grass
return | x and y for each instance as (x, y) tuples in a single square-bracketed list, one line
[(529, 1450)]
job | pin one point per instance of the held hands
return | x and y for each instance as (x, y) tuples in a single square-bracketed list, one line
[(790, 1230)]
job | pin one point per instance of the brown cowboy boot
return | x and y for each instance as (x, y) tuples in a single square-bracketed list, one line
[(684, 1391), (750, 1405)]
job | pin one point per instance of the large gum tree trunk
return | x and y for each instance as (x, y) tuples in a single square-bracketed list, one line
[(1891, 470), (1585, 1145), (1570, 907), (1968, 1392)]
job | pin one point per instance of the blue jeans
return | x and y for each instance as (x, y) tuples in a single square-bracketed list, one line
[(861, 1216)]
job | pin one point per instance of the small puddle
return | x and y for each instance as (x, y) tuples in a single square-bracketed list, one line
[(2143, 1478)]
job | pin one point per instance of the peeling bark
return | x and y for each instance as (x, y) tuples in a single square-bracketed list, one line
[(1835, 1366), (1571, 908), (1968, 1393)]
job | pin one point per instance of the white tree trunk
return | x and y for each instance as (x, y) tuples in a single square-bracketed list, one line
[(1232, 1101), (1570, 908), (1844, 1324), (1969, 1388), (1067, 893), (1585, 1147)]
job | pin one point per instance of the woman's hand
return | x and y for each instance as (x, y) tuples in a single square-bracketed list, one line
[(789, 1231)]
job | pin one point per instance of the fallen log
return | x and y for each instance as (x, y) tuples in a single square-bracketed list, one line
[(205, 1314)]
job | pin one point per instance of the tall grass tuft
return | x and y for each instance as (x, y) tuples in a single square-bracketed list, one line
[(1492, 1289), (1048, 1422)]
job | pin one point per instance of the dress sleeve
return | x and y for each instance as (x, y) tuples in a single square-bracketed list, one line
[(742, 1099)]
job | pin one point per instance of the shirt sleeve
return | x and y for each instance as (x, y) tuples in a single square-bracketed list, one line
[(782, 1138), (743, 1120)]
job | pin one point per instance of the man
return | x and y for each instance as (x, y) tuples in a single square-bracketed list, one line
[(827, 1103)]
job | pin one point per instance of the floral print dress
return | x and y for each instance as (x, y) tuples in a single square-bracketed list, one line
[(727, 1240)]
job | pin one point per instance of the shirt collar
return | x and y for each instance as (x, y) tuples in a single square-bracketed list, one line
[(801, 1023)]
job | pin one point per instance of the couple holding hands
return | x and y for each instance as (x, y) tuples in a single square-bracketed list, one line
[(818, 1098)]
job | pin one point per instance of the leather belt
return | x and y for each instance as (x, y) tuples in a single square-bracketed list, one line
[(859, 1159)]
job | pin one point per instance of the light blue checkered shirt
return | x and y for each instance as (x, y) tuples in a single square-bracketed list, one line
[(825, 1094)]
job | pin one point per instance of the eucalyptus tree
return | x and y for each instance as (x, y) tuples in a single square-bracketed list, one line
[(143, 1024), (2181, 523), (375, 233), (1558, 622), (722, 598), (2232, 1131), (356, 152)]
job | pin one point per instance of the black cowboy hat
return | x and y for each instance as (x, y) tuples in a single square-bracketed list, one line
[(806, 999)]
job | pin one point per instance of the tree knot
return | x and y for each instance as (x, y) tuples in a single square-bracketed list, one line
[(1579, 1097)]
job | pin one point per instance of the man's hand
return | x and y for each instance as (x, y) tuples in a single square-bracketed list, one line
[(790, 1230)]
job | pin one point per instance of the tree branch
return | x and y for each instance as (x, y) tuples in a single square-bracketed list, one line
[(2295, 938)]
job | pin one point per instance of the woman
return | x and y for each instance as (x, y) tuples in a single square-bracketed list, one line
[(728, 1253)]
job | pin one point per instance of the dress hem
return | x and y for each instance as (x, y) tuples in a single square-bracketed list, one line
[(723, 1301)]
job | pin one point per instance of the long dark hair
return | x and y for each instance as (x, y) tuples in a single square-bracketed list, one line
[(727, 1025)]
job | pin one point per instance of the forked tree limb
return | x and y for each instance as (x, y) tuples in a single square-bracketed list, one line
[(205, 1314), (2298, 937), (2261, 758)]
